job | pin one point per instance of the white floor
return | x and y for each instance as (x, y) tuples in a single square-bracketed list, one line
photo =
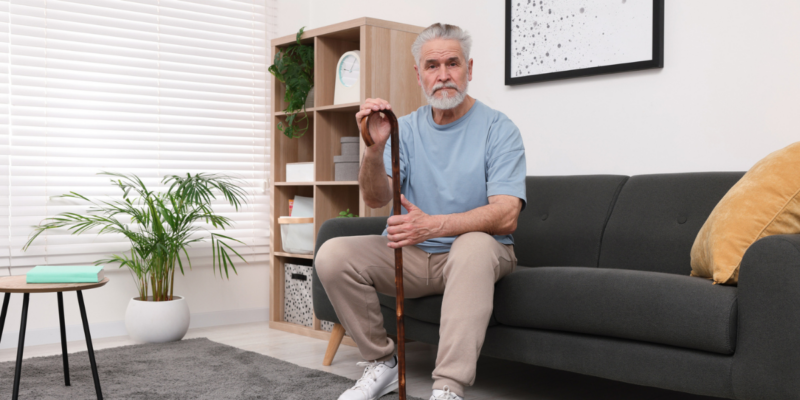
[(496, 379)]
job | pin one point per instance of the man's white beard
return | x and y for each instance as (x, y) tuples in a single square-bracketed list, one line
[(447, 102)]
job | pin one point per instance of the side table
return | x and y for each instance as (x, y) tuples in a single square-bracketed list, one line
[(17, 284)]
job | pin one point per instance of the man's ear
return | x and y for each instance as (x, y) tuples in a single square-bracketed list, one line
[(419, 81), (470, 69)]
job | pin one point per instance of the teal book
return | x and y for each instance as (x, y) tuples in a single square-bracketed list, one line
[(65, 274)]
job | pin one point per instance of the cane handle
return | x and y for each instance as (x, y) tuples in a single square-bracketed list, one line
[(365, 126)]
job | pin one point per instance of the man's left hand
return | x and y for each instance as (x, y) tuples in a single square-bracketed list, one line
[(414, 227)]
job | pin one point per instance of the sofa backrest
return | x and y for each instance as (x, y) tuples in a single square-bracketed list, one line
[(564, 220), (656, 218)]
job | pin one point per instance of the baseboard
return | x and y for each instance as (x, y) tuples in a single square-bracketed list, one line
[(99, 330)]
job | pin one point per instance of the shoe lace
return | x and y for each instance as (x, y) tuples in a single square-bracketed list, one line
[(369, 376), (445, 395)]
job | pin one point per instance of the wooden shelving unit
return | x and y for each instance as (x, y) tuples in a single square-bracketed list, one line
[(386, 72)]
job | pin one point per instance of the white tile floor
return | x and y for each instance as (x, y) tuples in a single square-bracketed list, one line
[(496, 379)]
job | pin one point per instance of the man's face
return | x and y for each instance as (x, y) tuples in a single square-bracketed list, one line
[(443, 73)]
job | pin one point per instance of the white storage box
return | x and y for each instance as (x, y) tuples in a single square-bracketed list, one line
[(297, 235), (300, 172)]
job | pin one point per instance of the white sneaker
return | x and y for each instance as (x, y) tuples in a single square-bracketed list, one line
[(378, 379), (445, 394)]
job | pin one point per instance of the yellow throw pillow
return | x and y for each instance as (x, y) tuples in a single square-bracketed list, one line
[(766, 201)]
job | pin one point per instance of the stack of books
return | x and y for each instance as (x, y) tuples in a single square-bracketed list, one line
[(65, 274)]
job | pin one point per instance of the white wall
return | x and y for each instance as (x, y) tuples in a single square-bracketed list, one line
[(728, 95), (291, 15)]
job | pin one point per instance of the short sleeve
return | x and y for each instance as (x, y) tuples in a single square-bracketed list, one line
[(505, 161), (387, 152)]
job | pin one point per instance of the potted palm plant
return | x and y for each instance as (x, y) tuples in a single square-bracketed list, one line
[(160, 226)]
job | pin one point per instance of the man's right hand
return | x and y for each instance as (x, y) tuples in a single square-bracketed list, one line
[(378, 124)]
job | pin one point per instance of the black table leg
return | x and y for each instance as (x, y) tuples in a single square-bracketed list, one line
[(21, 344), (88, 345), (63, 337), (3, 314)]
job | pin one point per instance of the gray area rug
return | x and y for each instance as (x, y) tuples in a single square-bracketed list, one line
[(188, 369)]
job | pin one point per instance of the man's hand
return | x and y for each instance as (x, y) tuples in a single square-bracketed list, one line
[(379, 126), (376, 187), (414, 227), (499, 217)]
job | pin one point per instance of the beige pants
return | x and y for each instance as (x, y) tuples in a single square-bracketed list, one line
[(352, 269)]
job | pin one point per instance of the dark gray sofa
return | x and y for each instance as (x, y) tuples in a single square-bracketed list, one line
[(603, 289)]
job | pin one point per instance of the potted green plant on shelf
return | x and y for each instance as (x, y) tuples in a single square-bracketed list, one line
[(294, 66), (346, 214), (161, 226)]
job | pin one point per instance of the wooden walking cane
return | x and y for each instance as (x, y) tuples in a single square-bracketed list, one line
[(398, 253)]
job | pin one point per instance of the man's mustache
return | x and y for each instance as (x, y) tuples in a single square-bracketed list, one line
[(450, 85)]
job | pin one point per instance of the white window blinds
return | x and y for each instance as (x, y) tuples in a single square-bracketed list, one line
[(151, 87)]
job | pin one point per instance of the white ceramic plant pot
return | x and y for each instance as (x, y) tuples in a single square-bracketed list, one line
[(157, 321)]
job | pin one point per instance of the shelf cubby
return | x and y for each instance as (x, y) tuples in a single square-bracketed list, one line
[(279, 89), (280, 208), (285, 193), (333, 199), (329, 50), (386, 72), (278, 291), (331, 127), (291, 150)]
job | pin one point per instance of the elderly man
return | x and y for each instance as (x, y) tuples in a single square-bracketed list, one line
[(462, 172)]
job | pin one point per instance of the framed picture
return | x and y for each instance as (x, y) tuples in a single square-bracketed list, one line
[(549, 40)]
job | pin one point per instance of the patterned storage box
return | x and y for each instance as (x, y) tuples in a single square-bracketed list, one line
[(326, 325), (297, 295), (297, 305)]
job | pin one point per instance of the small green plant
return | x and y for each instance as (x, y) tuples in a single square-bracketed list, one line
[(294, 66), (346, 214), (160, 226)]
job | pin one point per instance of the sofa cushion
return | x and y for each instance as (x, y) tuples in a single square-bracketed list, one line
[(564, 219), (766, 201), (653, 307), (656, 219)]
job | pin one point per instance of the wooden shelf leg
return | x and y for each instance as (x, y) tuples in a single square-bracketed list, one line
[(333, 345)]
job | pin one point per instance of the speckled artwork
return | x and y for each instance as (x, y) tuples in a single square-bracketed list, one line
[(552, 36)]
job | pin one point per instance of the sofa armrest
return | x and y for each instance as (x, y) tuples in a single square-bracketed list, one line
[(336, 227), (766, 364)]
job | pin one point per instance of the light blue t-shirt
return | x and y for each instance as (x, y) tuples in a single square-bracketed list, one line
[(454, 168)]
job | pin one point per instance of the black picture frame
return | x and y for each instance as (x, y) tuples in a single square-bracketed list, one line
[(657, 60)]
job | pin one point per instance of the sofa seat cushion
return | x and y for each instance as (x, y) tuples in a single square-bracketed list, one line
[(427, 309), (682, 311)]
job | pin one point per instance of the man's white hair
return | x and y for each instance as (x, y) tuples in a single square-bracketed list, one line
[(442, 31)]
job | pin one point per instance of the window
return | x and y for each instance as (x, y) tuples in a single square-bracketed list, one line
[(151, 87)]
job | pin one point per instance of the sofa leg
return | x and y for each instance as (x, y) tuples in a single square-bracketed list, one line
[(333, 345)]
